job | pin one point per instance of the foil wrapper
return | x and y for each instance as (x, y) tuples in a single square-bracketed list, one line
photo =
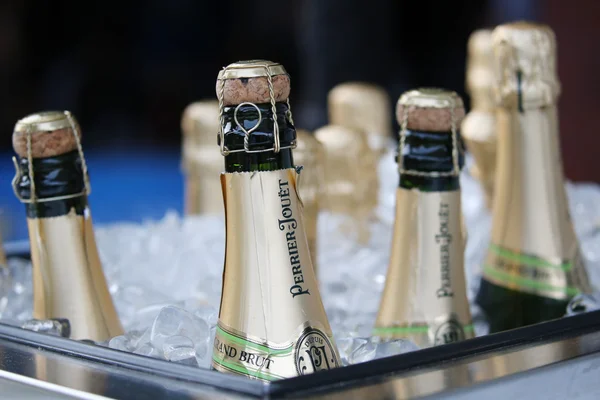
[(272, 323), (424, 298)]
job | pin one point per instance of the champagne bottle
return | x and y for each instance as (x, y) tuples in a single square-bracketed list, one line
[(201, 158), (424, 298), (351, 180), (309, 154), (479, 126), (534, 264), (272, 323), (365, 107), (52, 181)]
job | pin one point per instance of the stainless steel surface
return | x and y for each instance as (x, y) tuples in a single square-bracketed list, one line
[(15, 386), (55, 369), (558, 370)]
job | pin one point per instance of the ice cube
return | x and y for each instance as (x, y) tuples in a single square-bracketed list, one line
[(394, 347), (584, 303), (346, 345), (147, 350), (174, 321), (138, 338), (17, 301), (177, 348), (365, 351), (208, 314), (119, 343), (55, 326), (204, 349)]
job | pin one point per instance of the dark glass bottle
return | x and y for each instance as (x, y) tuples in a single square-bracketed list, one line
[(56, 176), (260, 139), (430, 152)]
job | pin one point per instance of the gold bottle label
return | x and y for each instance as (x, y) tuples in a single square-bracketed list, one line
[(270, 306), (478, 130), (68, 280), (309, 350), (533, 248), (425, 296), (309, 154)]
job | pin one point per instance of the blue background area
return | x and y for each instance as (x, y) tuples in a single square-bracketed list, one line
[(126, 186)]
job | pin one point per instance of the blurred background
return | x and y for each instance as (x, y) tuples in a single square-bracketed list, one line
[(127, 69)]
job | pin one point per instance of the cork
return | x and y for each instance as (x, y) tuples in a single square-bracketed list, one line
[(430, 109), (51, 135), (246, 81)]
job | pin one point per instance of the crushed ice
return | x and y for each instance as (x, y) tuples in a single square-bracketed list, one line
[(165, 276)]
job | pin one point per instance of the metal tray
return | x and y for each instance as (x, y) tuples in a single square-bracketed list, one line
[(558, 359)]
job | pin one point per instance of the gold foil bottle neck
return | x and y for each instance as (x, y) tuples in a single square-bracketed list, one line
[(478, 129), (351, 180), (525, 62), (200, 122), (201, 160), (309, 155), (365, 107), (480, 70)]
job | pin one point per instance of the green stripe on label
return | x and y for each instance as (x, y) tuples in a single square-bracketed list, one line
[(407, 330), (400, 330), (250, 372), (527, 283), (255, 346), (528, 260)]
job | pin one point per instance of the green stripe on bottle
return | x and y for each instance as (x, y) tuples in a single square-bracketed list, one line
[(528, 260), (400, 330), (251, 372), (255, 346), (408, 330), (527, 283)]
